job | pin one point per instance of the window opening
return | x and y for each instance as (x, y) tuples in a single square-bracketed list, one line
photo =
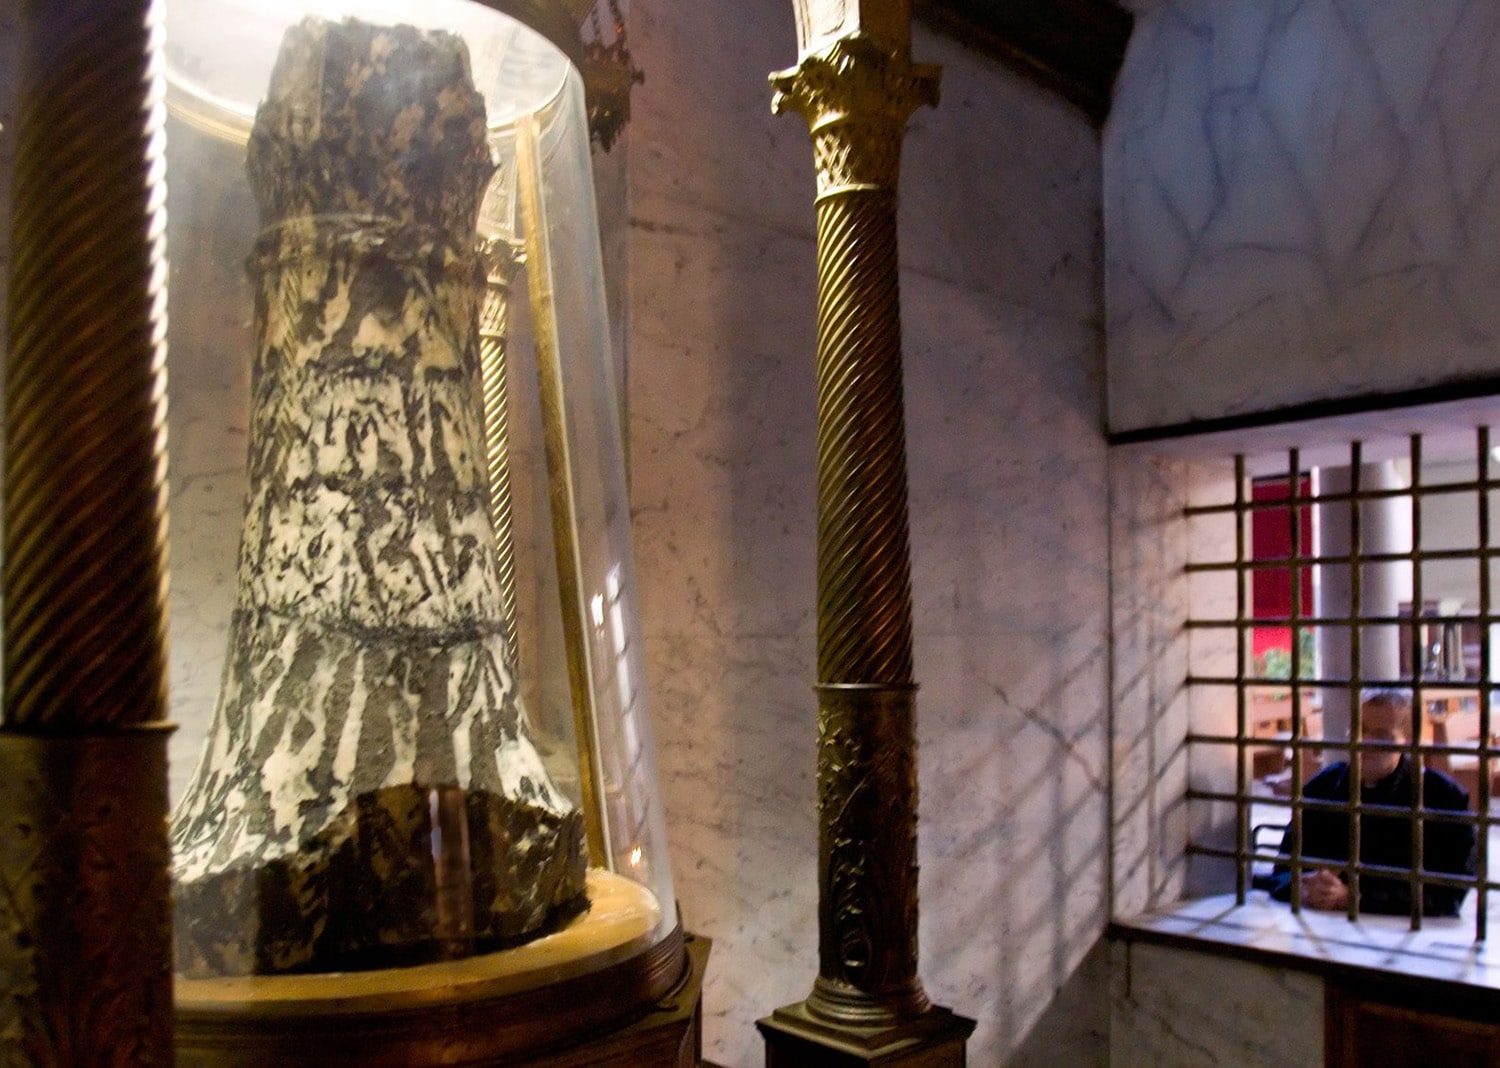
[(1320, 587)]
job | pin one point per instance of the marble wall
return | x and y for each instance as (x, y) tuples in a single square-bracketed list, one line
[(1301, 202), (1001, 291), (1149, 604), (1175, 1006)]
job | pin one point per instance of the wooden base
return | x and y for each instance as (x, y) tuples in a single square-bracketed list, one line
[(643, 1011), (794, 1039), (670, 1035), (1378, 1021)]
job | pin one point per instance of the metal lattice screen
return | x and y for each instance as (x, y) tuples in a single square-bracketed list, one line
[(1310, 586)]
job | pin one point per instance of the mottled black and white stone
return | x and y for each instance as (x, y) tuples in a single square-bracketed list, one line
[(369, 795)]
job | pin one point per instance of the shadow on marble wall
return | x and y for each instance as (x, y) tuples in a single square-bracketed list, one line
[(1153, 655), (1078, 1018), (1149, 604), (1008, 493), (722, 398)]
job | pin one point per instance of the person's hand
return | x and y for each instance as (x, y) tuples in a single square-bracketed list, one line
[(1324, 890)]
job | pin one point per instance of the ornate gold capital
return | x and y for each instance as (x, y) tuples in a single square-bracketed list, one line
[(856, 97)]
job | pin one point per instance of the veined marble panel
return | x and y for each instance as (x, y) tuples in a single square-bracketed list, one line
[(1149, 606), (1302, 202), (701, 125), (1444, 949), (1176, 1007)]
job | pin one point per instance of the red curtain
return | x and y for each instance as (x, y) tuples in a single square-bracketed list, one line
[(1271, 539)]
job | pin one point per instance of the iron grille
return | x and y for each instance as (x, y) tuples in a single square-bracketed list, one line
[(1341, 661)]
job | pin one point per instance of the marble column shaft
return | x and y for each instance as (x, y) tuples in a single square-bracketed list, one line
[(370, 717), (1384, 527)]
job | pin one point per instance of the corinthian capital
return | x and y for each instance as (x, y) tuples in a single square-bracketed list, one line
[(856, 96)]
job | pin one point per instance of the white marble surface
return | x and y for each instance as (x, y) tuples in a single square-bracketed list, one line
[(1301, 203), (721, 432), (1173, 1007), (1443, 949), (1008, 483), (1149, 746), (1007, 486)]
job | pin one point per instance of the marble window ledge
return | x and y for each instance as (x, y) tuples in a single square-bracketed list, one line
[(1444, 950)]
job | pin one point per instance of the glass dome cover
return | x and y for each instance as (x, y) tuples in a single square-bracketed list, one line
[(220, 54), (429, 737)]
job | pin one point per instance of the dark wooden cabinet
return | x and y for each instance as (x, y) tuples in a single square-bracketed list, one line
[(1370, 1024)]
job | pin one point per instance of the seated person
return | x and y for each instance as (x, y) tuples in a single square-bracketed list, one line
[(1384, 838)]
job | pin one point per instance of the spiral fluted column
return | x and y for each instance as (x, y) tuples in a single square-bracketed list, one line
[(502, 259), (85, 918), (856, 95)]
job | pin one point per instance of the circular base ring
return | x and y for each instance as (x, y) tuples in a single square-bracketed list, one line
[(492, 1009)]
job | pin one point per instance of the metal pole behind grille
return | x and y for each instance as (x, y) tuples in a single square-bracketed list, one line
[(1241, 787), (1418, 700), (1294, 478), (1483, 768), (1356, 664)]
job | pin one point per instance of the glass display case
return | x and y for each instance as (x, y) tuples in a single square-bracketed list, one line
[(404, 630)]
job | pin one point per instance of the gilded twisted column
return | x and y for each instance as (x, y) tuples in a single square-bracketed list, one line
[(85, 919), (502, 257), (856, 95)]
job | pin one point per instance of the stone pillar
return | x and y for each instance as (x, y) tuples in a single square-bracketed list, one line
[(1384, 527), (85, 919), (370, 794), (856, 91)]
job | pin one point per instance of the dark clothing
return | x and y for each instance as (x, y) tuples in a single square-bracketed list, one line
[(1385, 838)]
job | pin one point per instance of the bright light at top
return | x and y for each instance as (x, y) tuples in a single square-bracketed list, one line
[(220, 53)]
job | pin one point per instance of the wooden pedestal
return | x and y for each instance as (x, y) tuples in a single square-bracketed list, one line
[(670, 1035), (643, 1012)]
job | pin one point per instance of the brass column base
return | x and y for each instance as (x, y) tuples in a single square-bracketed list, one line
[(85, 917), (796, 1039)]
